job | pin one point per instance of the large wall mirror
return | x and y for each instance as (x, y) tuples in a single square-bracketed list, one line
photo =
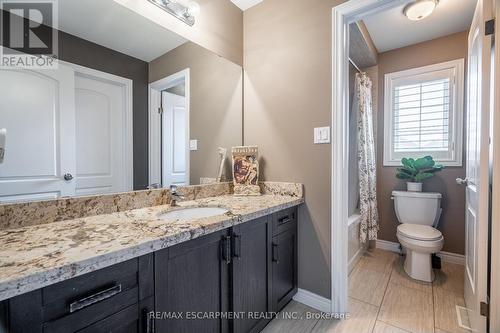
[(130, 105)]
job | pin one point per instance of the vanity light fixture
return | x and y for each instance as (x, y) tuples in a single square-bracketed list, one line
[(420, 9), (183, 12)]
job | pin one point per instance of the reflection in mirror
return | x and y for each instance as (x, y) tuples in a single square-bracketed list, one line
[(129, 105)]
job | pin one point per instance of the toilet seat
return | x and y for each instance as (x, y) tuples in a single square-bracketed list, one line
[(419, 232)]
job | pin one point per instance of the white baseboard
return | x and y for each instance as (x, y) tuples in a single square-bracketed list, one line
[(354, 260), (313, 300), (388, 246), (453, 258)]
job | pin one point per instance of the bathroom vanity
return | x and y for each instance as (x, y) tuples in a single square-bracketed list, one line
[(131, 271)]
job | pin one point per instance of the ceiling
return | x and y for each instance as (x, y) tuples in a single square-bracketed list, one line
[(390, 29), (245, 4), (109, 24)]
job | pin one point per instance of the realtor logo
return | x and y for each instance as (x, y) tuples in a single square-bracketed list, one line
[(28, 34)]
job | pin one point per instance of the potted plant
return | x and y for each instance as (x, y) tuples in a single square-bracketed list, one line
[(416, 171)]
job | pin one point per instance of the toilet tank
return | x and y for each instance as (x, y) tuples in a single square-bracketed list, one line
[(417, 207)]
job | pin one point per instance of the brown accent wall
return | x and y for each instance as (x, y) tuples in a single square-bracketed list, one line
[(216, 115), (452, 223), (287, 61)]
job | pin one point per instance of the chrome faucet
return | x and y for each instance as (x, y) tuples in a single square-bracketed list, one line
[(174, 196)]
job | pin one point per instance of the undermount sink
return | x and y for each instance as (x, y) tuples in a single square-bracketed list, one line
[(192, 213)]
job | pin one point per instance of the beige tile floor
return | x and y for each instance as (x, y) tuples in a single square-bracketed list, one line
[(383, 299)]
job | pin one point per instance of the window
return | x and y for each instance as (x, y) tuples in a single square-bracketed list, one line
[(424, 113)]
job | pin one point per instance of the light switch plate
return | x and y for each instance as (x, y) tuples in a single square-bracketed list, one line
[(193, 145), (322, 135)]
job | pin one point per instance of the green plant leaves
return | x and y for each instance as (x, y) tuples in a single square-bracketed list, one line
[(418, 170), (423, 176)]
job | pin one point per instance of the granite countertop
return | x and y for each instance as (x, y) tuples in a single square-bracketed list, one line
[(36, 256)]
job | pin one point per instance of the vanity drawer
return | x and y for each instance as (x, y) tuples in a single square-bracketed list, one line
[(284, 220), (94, 313), (70, 297), (77, 303)]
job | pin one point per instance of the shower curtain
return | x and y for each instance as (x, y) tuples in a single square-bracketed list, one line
[(366, 160)]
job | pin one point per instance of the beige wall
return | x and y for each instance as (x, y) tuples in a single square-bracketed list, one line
[(218, 27), (287, 61), (216, 103), (452, 221)]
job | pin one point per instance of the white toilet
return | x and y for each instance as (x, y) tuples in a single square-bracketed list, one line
[(419, 213)]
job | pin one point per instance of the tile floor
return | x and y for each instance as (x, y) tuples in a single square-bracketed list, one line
[(383, 299)]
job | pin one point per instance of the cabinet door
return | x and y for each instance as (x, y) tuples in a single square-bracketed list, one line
[(251, 274), (284, 258), (192, 279)]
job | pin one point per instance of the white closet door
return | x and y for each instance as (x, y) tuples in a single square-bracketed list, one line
[(37, 109), (100, 136)]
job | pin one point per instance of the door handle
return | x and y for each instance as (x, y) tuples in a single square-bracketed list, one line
[(68, 177), (226, 249), (237, 246), (275, 253), (461, 181)]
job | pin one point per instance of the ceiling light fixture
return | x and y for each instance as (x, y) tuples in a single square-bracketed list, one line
[(177, 9), (420, 9)]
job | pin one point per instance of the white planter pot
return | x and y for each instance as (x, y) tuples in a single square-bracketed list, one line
[(414, 187)]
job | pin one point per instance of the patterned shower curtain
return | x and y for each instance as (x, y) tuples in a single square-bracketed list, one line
[(366, 160)]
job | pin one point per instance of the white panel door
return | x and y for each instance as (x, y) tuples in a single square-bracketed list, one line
[(100, 136), (175, 150), (37, 109), (477, 167)]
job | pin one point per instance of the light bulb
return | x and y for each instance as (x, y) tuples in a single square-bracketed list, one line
[(419, 10)]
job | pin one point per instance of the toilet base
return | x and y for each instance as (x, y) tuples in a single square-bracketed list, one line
[(418, 266)]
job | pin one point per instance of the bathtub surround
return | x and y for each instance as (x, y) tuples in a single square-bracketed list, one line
[(452, 222), (35, 256)]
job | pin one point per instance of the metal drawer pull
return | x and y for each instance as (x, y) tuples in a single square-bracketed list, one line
[(98, 297), (284, 220)]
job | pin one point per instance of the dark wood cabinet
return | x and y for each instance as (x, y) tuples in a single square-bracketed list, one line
[(251, 275), (106, 300), (192, 280), (228, 281), (284, 268)]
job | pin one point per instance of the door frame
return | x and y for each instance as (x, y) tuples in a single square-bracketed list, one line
[(342, 16), (155, 88), (128, 120), (495, 207)]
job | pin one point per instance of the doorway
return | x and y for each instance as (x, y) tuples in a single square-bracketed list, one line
[(169, 145), (343, 15)]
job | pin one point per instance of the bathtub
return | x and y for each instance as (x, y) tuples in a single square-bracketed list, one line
[(355, 247)]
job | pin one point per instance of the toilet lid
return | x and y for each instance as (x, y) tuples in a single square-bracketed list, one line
[(419, 232)]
